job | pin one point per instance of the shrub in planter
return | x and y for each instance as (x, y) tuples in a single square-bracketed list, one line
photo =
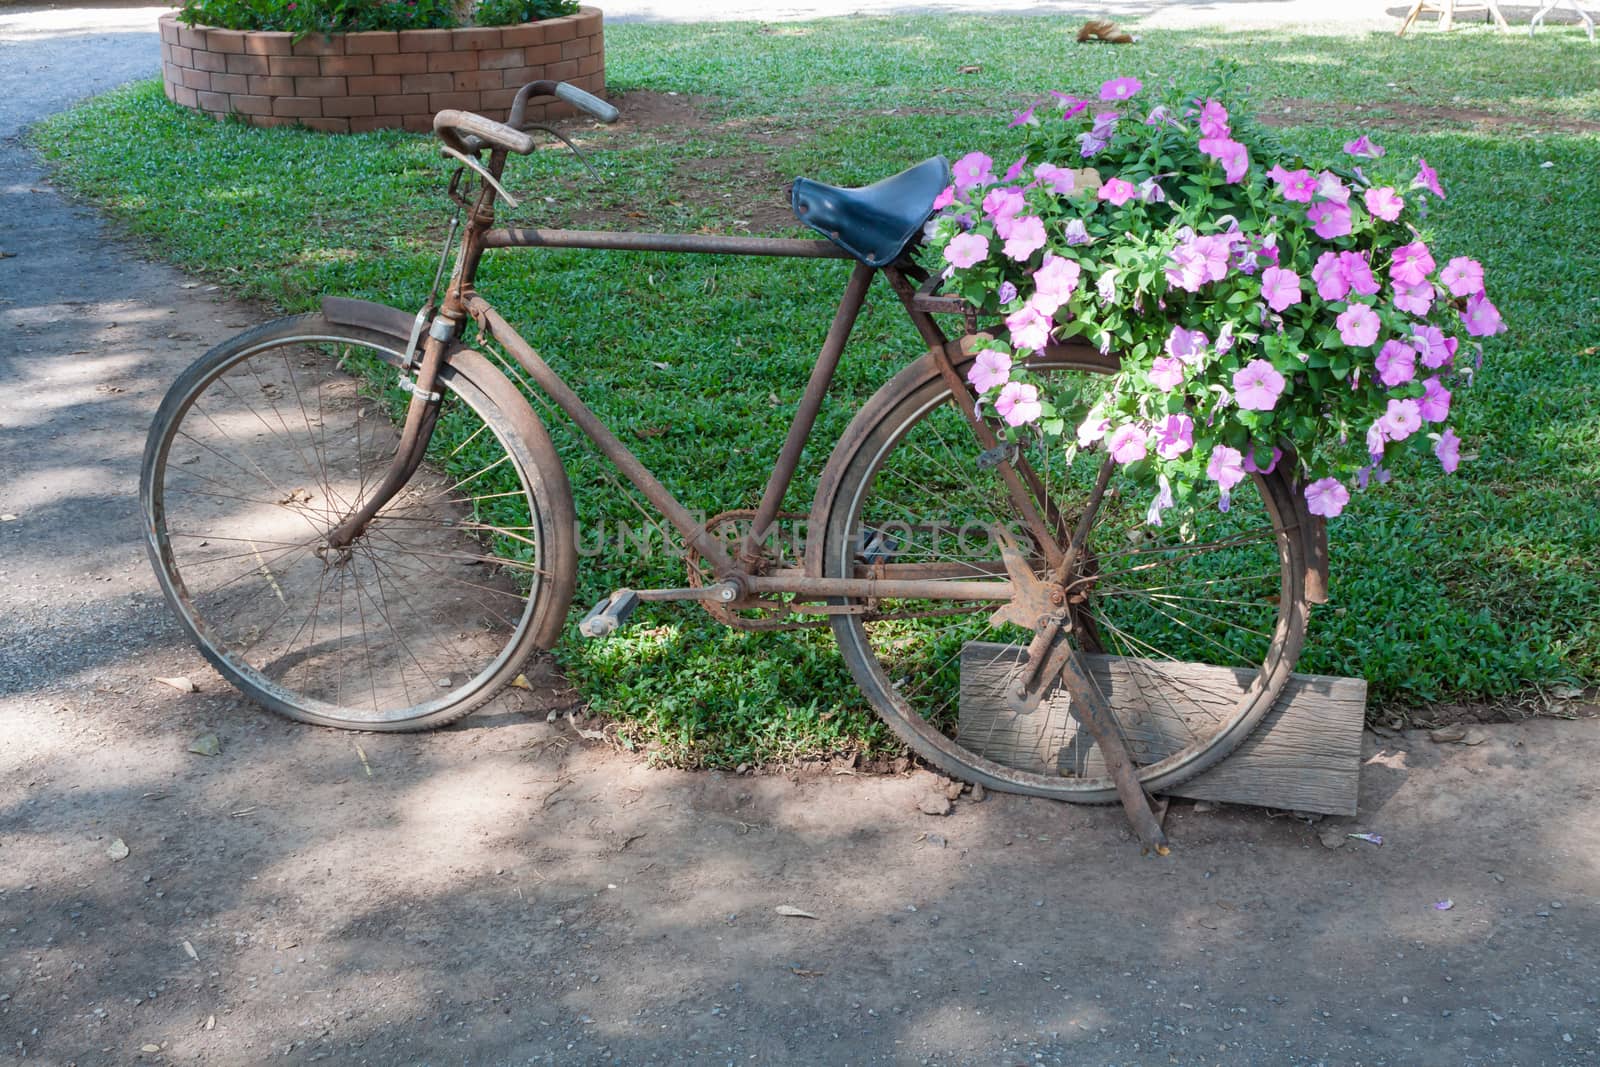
[(1256, 300), (352, 16)]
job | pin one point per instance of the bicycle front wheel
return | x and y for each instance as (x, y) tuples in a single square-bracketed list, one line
[(267, 443), (1190, 629)]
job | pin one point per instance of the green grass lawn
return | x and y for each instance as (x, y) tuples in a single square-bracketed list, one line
[(1474, 588)]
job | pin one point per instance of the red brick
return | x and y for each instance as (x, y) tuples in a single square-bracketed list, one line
[(475, 38), (400, 105), (181, 56), (170, 89), (383, 84), (576, 48), (227, 41), (342, 65), (474, 80), (271, 120), (500, 59), (229, 83), (496, 102), (461, 101), (272, 86), (328, 125), (293, 66), (247, 64), (427, 83), (403, 63), (320, 87), (169, 29), (318, 44), (182, 94), (371, 43), (368, 123), (591, 65), (418, 123), (562, 29), (589, 21), (563, 71), (214, 61), (268, 43), (216, 103), (190, 37), (345, 106), (522, 36), (449, 61), (252, 105), (425, 41), (542, 56), (196, 80), (297, 106)]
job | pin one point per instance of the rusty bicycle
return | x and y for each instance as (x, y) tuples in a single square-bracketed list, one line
[(361, 521)]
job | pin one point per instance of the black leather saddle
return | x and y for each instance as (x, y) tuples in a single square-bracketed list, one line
[(876, 222)]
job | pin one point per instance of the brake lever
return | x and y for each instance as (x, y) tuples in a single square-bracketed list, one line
[(564, 139), (482, 172)]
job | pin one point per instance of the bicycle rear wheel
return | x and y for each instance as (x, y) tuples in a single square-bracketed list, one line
[(268, 442), (1190, 632)]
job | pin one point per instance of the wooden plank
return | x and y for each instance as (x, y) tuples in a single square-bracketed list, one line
[(1304, 756)]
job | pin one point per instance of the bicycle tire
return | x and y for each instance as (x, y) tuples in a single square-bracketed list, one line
[(268, 441), (896, 432)]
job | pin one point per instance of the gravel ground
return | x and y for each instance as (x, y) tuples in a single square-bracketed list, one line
[(507, 891)]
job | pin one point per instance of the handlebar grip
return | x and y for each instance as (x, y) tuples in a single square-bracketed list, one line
[(586, 102), (450, 124)]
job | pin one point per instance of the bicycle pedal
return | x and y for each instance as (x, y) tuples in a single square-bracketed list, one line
[(610, 615)]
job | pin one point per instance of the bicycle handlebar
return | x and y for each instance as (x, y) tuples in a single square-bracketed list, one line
[(451, 124)]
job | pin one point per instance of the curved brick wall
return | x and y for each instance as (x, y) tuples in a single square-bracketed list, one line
[(351, 82)]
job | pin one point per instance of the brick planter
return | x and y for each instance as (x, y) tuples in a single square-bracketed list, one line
[(352, 82)]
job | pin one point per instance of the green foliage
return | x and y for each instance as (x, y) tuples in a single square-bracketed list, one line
[(1475, 587), (350, 16)]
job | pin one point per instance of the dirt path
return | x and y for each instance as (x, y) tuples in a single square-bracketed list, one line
[(509, 892)]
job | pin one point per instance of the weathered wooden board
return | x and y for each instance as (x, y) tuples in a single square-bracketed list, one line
[(1304, 756)]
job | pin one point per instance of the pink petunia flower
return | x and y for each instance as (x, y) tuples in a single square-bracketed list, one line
[(1427, 178), (1226, 467), (1014, 171), (1358, 326), (1018, 404), (1234, 157), (1363, 148), (1055, 281), (1150, 192), (1091, 430), (1023, 118), (1214, 120), (1412, 264), (1433, 347), (1025, 237), (1482, 318), (1187, 345), (1332, 282), (1076, 232), (1163, 500), (1462, 276), (1127, 443), (1117, 191), (1058, 180), (1384, 203), (1174, 436), (1250, 462), (1329, 220), (945, 199), (1120, 89), (1280, 288), (1295, 185), (1448, 449), (1326, 497), (1003, 203), (1375, 440), (1414, 299), (971, 171), (1029, 329), (1257, 386), (1401, 419), (1397, 363), (1331, 187), (1435, 403), (1166, 373), (1354, 266), (990, 369), (965, 249)]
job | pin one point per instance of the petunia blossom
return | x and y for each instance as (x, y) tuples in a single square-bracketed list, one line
[(1326, 497), (1356, 269), (1120, 89), (1272, 465), (1397, 363), (1257, 386), (1332, 282), (1435, 403), (1018, 404), (1003, 203), (1174, 436), (1117, 192), (990, 369), (1358, 326), (1059, 180), (1014, 171), (1076, 232), (945, 199), (1163, 500), (1214, 120), (1329, 220), (1400, 419), (1226, 467), (1234, 157), (1280, 288), (1412, 264), (1433, 347), (1448, 449), (1024, 117), (1187, 345), (1462, 276), (1127, 443), (1054, 281), (965, 249), (1364, 148), (1006, 293), (972, 170), (1150, 192), (1482, 318), (1166, 373), (1384, 203), (1029, 329), (1295, 185), (1025, 237), (1427, 178), (1091, 430), (1414, 299), (1331, 187)]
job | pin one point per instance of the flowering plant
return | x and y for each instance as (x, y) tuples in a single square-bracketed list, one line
[(1255, 300)]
